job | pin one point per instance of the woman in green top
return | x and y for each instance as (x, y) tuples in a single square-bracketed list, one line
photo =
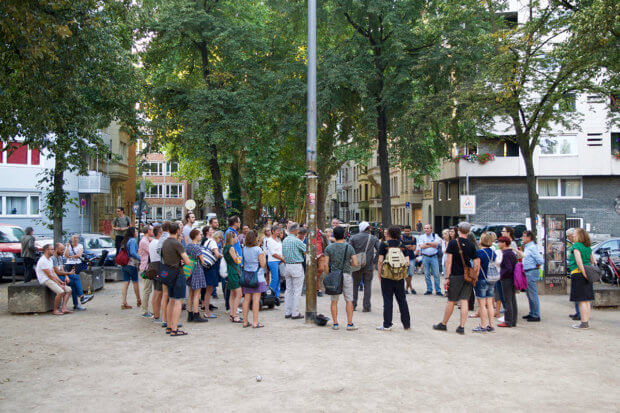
[(234, 273), (581, 290)]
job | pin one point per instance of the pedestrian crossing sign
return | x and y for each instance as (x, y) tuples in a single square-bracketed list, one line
[(468, 204)]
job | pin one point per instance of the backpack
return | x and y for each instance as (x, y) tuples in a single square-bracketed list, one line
[(122, 258), (394, 265), (491, 274)]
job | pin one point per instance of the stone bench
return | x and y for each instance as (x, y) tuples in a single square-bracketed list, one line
[(606, 295), (92, 279), (113, 273), (30, 297)]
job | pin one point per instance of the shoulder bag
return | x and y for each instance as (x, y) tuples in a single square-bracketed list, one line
[(168, 275), (361, 257), (249, 279), (468, 272), (208, 256), (333, 281), (593, 273)]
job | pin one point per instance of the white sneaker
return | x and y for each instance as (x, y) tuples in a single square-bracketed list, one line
[(335, 327), (381, 328), (501, 319), (351, 327)]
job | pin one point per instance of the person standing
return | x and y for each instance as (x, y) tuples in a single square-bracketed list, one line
[(485, 288), (293, 250), (418, 226), (244, 232), (120, 225), (155, 259), (234, 223), (197, 279), (143, 252), (254, 261), (364, 241), (173, 256), (429, 249), (273, 248), (581, 289), (47, 277), (531, 264), (445, 238), (130, 271), (507, 281), (393, 269), (341, 256), (165, 234), (458, 289), (409, 242), (233, 286), (28, 253), (212, 274), (190, 218)]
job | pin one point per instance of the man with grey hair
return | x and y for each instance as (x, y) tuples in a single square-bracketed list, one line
[(461, 253), (293, 250), (28, 253)]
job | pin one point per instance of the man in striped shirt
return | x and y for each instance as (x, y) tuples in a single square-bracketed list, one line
[(293, 250)]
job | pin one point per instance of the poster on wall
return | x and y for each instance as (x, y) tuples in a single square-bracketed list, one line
[(555, 248)]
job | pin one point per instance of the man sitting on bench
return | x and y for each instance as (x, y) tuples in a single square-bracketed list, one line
[(47, 277), (70, 278)]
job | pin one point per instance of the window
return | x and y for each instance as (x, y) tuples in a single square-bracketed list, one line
[(440, 191), (560, 188), (19, 204), (502, 147), (615, 142), (17, 154), (595, 99), (574, 222), (448, 190), (559, 145), (123, 150)]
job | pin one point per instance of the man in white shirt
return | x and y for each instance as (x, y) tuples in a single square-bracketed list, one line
[(155, 257), (47, 277), (273, 248), (429, 248), (190, 218)]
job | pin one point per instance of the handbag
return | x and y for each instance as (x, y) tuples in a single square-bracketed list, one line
[(168, 275), (468, 272), (152, 270), (122, 258), (520, 278), (208, 257), (188, 269), (361, 257), (491, 274), (223, 268), (249, 279), (593, 273), (334, 280)]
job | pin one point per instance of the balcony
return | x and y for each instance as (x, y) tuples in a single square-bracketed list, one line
[(94, 183)]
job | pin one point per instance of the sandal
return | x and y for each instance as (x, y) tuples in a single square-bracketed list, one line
[(238, 320), (66, 311), (139, 303), (177, 333), (58, 313), (168, 330), (125, 307), (246, 325), (259, 325)]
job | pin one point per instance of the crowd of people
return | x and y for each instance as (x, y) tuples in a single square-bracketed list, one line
[(179, 262)]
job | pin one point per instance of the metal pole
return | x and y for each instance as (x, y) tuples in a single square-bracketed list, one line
[(467, 189), (142, 190), (311, 177)]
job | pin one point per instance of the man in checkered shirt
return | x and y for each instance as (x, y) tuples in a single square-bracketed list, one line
[(293, 250)]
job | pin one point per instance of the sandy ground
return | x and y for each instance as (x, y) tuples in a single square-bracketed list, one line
[(108, 360)]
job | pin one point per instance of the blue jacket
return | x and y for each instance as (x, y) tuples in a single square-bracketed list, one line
[(531, 257), (132, 248)]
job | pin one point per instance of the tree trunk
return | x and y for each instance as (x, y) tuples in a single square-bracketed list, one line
[(216, 176), (531, 181), (384, 167), (57, 210), (321, 194)]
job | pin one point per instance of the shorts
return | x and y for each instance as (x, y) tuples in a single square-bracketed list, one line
[(459, 289), (347, 288), (130, 273), (177, 291), (157, 285), (57, 289), (484, 289)]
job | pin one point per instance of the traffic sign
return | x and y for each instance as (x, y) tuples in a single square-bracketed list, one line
[(468, 204), (408, 205)]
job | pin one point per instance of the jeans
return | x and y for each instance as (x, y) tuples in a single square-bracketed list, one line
[(389, 290), (76, 288), (532, 291), (364, 275), (510, 301), (28, 269), (431, 265), (294, 276), (274, 269)]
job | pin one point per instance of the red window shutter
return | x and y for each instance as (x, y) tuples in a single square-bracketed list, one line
[(17, 154), (1, 154), (34, 156)]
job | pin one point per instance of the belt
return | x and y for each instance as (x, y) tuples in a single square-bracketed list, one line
[(431, 256), (300, 262)]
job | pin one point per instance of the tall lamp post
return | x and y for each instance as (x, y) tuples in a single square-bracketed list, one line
[(311, 177), (140, 203)]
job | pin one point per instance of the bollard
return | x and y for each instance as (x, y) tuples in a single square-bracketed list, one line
[(13, 268)]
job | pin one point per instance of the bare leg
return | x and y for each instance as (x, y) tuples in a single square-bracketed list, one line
[(174, 313), (207, 301), (255, 308), (490, 310), (498, 306), (349, 307), (57, 300), (448, 313), (334, 308), (136, 290), (482, 309), (464, 311), (65, 300), (164, 302), (246, 309), (125, 287), (156, 304), (584, 310)]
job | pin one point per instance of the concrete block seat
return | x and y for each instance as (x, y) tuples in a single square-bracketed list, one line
[(606, 295), (30, 297), (113, 273), (92, 279)]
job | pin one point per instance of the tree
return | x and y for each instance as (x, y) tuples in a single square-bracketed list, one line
[(67, 70), (533, 76)]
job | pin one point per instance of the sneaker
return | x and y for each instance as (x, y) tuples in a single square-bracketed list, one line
[(584, 325), (413, 291), (490, 329), (319, 293), (164, 324), (157, 320), (503, 325), (460, 330), (381, 328), (501, 319), (212, 307), (147, 315), (534, 319), (288, 316), (297, 317), (86, 298), (351, 327), (335, 327), (525, 317), (439, 293), (406, 291), (79, 308), (428, 293), (479, 329), (440, 327)]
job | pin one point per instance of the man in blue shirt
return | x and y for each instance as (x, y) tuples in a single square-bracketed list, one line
[(429, 248), (531, 264), (409, 242)]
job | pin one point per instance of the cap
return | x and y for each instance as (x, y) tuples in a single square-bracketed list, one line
[(364, 226)]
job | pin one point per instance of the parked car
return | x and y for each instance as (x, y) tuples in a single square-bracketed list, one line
[(496, 227), (95, 244), (11, 249), (611, 245)]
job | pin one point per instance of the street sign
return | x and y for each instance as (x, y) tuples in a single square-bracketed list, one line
[(408, 205), (468, 204), (145, 207), (190, 204), (83, 202)]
